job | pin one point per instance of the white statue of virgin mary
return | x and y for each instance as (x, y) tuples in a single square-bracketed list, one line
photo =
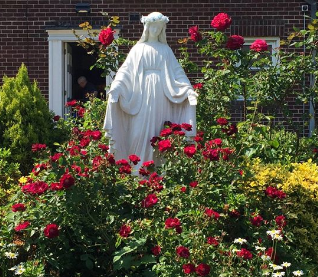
[(149, 89)]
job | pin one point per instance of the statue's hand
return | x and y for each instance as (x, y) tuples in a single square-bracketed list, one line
[(192, 97), (113, 96)]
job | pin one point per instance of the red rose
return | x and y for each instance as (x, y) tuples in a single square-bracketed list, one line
[(103, 147), (154, 140), (189, 150), (38, 147), (193, 184), (232, 129), (234, 213), (56, 186), (245, 254), (235, 42), (149, 201), (212, 213), (213, 241), (122, 162), (221, 21), (281, 221), (19, 207), (197, 86), (84, 142), (175, 127), (81, 111), (56, 118), (56, 157), (183, 252), (67, 180), (156, 250), (195, 34), (51, 231), (259, 45), (37, 188), (188, 268), (148, 163), (134, 159), (74, 150), (164, 145), (186, 126), (96, 135), (202, 270), (22, 226), (178, 229), (144, 172), (71, 103), (222, 121), (106, 36), (166, 132), (172, 223), (125, 169), (183, 189), (124, 231), (256, 220)]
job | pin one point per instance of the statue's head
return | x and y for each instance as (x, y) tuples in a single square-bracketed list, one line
[(158, 19)]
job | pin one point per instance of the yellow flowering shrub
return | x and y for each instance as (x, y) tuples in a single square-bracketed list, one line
[(300, 182)]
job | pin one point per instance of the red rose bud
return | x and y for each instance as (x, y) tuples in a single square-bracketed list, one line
[(71, 103), (235, 42), (106, 36), (221, 21), (193, 184), (51, 231), (195, 35), (156, 250), (259, 45), (124, 231)]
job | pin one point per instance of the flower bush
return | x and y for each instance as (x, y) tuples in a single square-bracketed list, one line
[(230, 201)]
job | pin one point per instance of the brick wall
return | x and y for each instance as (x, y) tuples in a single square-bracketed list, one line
[(23, 24)]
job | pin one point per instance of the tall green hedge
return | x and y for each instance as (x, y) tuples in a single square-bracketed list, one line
[(25, 118)]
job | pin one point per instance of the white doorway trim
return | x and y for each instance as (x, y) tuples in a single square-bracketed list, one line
[(57, 40)]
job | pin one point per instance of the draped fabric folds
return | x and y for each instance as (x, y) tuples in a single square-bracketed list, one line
[(149, 89)]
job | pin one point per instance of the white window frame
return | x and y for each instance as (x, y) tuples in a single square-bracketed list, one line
[(57, 40)]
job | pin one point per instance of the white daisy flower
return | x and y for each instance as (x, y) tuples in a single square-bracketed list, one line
[(240, 241), (285, 264), (19, 271), (278, 274), (265, 258), (266, 273), (276, 267), (298, 273), (11, 255), (13, 268), (260, 248)]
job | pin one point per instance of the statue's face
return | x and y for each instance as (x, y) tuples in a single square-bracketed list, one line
[(155, 29)]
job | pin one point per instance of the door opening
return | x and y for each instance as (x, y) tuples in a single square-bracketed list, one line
[(77, 64)]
